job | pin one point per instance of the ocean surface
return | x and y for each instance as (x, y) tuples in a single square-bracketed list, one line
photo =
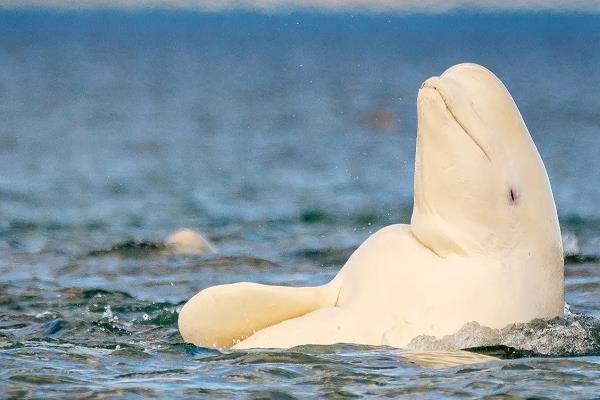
[(285, 139)]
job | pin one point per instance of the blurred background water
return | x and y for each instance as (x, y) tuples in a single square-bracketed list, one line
[(286, 139)]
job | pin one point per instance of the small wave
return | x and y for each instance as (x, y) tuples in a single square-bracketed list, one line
[(130, 248), (361, 218), (580, 240), (580, 258), (326, 256), (236, 261), (573, 335)]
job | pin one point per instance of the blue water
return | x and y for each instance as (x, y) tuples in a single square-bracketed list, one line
[(286, 140)]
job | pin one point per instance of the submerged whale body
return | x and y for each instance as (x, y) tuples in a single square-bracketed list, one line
[(483, 244), (188, 241)]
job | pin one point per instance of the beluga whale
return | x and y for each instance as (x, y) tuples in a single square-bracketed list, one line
[(188, 241), (483, 243)]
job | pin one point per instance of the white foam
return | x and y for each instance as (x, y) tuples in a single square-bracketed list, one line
[(570, 243), (572, 335)]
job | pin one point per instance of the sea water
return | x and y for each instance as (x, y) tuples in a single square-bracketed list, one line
[(287, 140)]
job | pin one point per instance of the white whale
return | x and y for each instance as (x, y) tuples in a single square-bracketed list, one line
[(483, 245), (188, 241)]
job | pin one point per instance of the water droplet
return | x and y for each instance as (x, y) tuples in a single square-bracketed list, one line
[(107, 312)]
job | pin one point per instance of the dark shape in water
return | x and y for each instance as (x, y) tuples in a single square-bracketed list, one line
[(581, 258), (503, 352), (53, 326), (130, 248)]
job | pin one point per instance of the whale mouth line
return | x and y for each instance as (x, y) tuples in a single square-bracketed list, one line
[(454, 116)]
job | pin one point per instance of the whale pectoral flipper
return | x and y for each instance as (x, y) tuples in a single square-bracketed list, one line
[(324, 326), (221, 316)]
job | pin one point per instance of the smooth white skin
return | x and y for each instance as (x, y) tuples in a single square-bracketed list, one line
[(483, 245)]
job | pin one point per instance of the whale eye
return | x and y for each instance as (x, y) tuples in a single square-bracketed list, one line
[(513, 195)]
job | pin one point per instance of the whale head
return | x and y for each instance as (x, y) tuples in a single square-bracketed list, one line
[(480, 184)]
